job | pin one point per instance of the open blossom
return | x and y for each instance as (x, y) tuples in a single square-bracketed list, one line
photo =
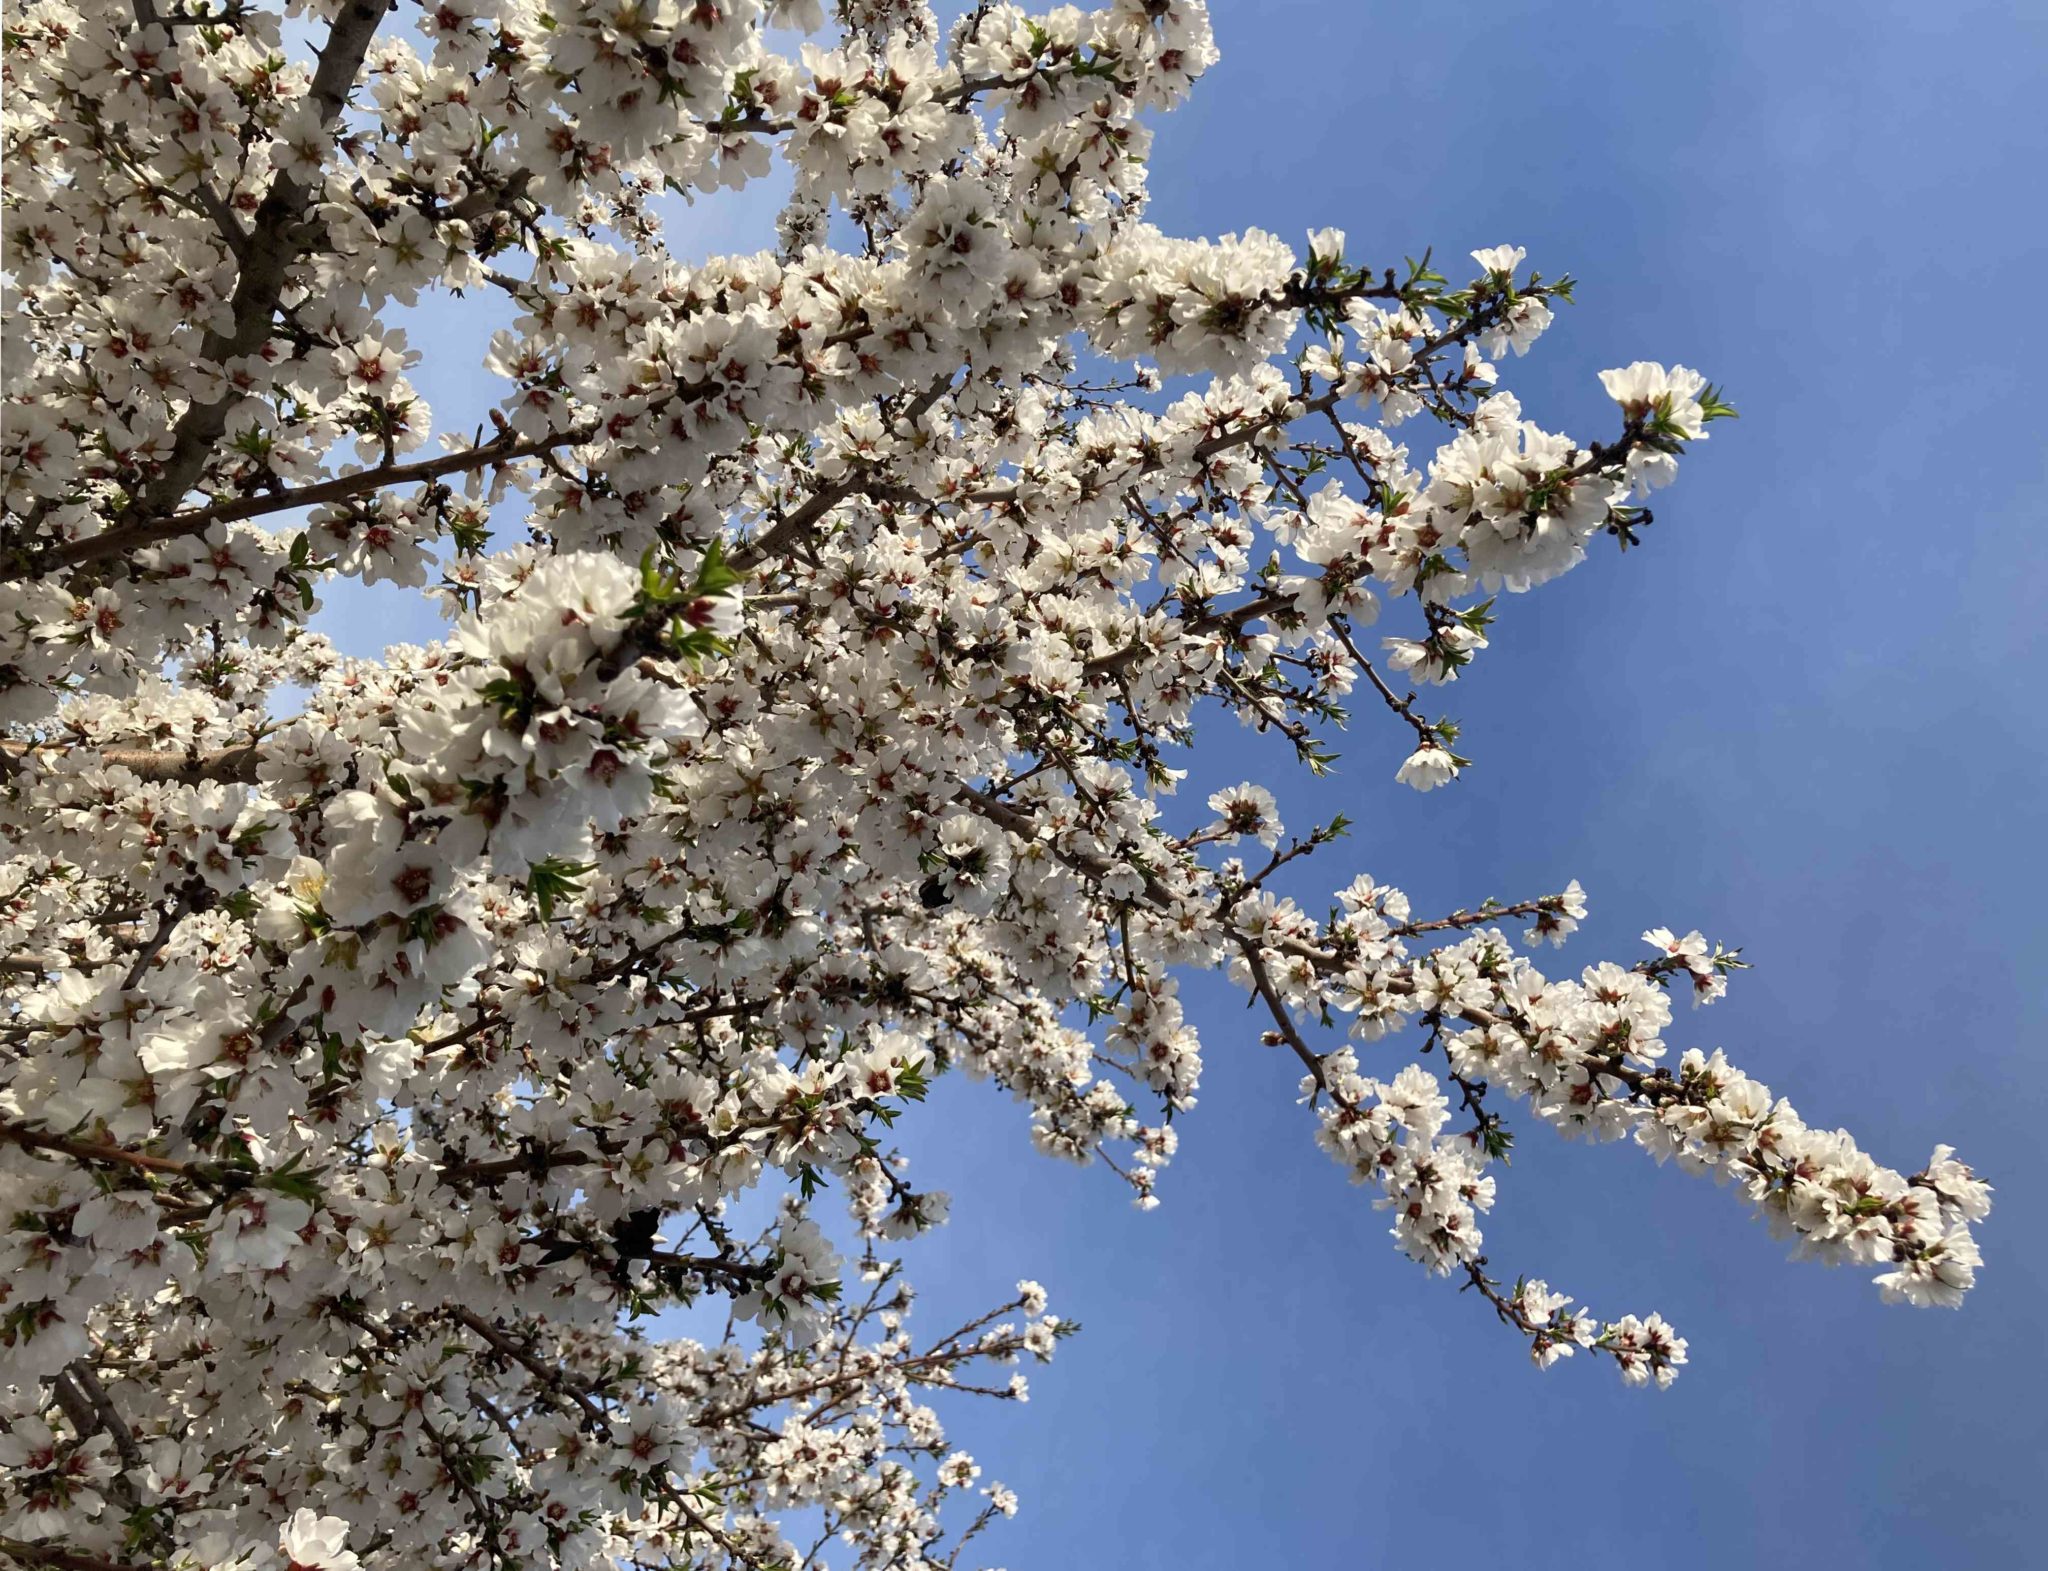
[(261, 1233), (1645, 385), (316, 1543), (1427, 768), (396, 1034), (1246, 810), (1558, 919)]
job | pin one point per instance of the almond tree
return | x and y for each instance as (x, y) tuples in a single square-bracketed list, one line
[(386, 1040)]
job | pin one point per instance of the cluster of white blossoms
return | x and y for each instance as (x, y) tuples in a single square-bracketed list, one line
[(386, 1042)]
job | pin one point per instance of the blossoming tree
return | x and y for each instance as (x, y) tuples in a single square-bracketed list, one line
[(386, 1040)]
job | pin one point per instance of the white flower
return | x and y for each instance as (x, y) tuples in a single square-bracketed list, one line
[(316, 1543), (371, 366), (1937, 1278), (1427, 768), (1644, 386), (1245, 809), (959, 1470), (27, 1446), (259, 1232)]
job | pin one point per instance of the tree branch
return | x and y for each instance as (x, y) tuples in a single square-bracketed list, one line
[(275, 244)]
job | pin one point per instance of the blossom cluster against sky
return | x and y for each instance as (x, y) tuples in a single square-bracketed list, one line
[(1804, 718)]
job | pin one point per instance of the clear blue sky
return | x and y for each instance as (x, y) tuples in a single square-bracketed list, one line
[(1805, 718)]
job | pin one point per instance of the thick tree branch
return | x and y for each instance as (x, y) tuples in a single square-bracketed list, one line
[(275, 243), (59, 1558)]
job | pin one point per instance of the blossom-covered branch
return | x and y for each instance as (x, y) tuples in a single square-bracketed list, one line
[(387, 1040)]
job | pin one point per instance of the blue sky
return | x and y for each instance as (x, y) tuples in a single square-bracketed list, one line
[(1805, 718)]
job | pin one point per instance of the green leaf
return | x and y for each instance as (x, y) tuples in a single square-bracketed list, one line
[(554, 879), (655, 585), (515, 698), (291, 1179), (715, 575), (1713, 406)]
